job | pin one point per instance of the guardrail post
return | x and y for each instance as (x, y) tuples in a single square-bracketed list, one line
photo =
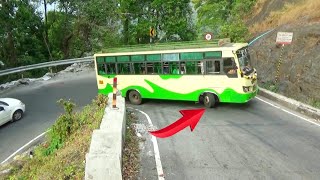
[(114, 93)]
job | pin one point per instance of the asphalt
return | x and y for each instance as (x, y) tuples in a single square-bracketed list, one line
[(42, 108), (232, 141)]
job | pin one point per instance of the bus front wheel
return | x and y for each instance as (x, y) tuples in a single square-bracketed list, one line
[(135, 97), (209, 100)]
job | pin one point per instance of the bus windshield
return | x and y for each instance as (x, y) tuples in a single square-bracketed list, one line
[(244, 60)]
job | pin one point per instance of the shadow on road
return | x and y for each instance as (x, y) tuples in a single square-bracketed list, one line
[(190, 104)]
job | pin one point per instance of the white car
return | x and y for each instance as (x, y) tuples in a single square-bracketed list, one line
[(11, 110)]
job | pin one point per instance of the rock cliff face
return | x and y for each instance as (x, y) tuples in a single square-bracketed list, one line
[(299, 73)]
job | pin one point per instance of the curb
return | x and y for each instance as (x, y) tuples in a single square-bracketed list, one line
[(104, 159), (291, 103)]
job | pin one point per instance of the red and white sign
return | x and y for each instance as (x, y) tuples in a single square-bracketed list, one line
[(208, 36), (284, 37)]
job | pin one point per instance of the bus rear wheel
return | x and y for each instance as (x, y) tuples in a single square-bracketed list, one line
[(135, 97), (209, 100)]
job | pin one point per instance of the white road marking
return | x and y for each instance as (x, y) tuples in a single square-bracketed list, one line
[(15, 153), (155, 148), (278, 107)]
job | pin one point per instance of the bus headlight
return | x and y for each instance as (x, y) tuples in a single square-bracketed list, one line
[(246, 88)]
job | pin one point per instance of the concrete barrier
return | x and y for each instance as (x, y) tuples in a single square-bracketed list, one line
[(291, 103), (104, 159)]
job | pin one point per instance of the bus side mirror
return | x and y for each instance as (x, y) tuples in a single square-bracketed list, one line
[(1, 108)]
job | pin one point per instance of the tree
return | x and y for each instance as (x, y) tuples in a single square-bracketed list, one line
[(21, 36), (172, 20), (174, 17), (223, 17), (80, 27)]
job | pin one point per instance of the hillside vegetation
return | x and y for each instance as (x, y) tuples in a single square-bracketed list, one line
[(62, 155), (299, 76), (295, 13)]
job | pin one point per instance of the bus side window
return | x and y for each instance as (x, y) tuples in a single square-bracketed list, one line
[(124, 68), (217, 66), (170, 68), (102, 68), (183, 69), (111, 68), (157, 68), (150, 68), (165, 66), (200, 69), (213, 67), (192, 67), (229, 67), (139, 68), (154, 68)]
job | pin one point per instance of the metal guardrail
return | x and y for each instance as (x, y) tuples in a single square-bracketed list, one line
[(45, 64)]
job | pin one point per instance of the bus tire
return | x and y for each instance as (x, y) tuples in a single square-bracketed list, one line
[(135, 97), (209, 100)]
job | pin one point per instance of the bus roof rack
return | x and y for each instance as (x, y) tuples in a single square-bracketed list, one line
[(168, 46)]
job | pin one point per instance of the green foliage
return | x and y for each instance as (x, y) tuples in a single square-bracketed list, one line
[(77, 28), (100, 100), (315, 103), (224, 18), (171, 19), (270, 85), (67, 161), (175, 19), (61, 130), (69, 171), (21, 34), (236, 31)]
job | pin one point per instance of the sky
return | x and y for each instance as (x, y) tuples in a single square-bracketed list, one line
[(49, 8)]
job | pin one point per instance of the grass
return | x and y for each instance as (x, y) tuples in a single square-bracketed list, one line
[(270, 85), (315, 103), (131, 150), (67, 161), (305, 11)]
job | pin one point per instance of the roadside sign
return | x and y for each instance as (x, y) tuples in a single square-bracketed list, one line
[(284, 37), (152, 32), (208, 36)]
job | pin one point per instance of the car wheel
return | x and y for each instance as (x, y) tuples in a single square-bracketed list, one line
[(208, 100), (17, 115), (135, 97)]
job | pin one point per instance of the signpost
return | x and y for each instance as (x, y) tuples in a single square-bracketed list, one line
[(282, 38), (152, 32), (208, 36)]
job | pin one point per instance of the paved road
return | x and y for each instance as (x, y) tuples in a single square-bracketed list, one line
[(252, 141), (42, 109)]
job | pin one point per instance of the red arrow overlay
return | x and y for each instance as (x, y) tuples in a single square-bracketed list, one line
[(189, 118)]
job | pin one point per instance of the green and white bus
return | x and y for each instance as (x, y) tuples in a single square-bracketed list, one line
[(208, 72)]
